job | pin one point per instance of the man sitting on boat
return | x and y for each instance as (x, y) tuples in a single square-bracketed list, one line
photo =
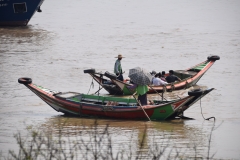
[(157, 81), (162, 76), (118, 67), (153, 73), (171, 77)]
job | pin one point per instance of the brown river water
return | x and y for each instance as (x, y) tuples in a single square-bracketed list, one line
[(68, 37)]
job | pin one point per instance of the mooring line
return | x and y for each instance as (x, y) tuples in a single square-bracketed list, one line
[(202, 113), (92, 84)]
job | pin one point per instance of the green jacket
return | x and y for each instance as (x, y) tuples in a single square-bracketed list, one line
[(118, 67), (141, 89)]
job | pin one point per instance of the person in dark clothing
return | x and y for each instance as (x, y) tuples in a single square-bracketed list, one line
[(163, 73), (171, 77)]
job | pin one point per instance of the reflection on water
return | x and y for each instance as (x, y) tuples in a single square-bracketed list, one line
[(166, 134), (27, 39)]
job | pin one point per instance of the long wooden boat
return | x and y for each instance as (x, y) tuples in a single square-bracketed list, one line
[(189, 77), (78, 104)]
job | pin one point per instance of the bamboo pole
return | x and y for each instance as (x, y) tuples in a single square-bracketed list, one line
[(139, 103), (157, 92), (142, 108)]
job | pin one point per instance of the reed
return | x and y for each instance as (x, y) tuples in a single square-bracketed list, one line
[(94, 143)]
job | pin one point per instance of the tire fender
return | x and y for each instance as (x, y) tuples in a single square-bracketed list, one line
[(195, 92), (25, 80), (89, 71), (213, 58)]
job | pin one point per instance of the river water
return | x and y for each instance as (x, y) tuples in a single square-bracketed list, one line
[(68, 37)]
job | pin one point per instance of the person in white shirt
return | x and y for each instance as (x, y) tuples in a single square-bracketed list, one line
[(157, 81)]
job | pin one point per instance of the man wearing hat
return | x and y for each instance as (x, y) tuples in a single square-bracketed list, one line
[(118, 67)]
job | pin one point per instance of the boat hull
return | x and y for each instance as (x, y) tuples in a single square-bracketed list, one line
[(18, 13), (97, 106)]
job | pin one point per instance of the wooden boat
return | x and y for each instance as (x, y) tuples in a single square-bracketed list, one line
[(189, 77), (78, 104)]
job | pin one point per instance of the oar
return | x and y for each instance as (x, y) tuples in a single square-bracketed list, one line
[(157, 92), (142, 108), (139, 103)]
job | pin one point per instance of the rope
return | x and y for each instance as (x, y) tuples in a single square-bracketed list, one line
[(164, 89), (186, 85), (172, 87), (202, 113), (92, 84)]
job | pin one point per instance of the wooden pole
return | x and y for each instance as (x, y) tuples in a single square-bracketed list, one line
[(157, 92), (142, 108), (138, 103)]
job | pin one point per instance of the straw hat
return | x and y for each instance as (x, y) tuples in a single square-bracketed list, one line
[(119, 56)]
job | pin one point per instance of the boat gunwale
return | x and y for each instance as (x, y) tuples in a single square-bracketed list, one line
[(65, 101), (169, 110), (183, 84)]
